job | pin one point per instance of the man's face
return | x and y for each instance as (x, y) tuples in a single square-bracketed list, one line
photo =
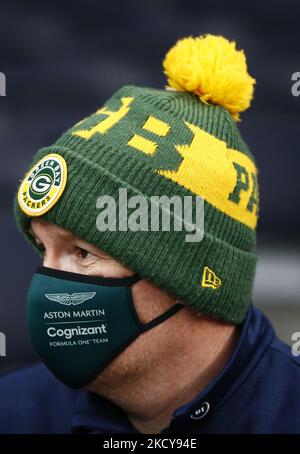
[(64, 251)]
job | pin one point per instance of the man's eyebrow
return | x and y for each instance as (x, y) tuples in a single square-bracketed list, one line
[(67, 236), (63, 235)]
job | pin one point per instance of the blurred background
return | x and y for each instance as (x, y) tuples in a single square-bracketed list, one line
[(62, 60)]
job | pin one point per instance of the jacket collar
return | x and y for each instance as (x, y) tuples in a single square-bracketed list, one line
[(96, 414)]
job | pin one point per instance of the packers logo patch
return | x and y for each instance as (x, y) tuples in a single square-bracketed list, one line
[(43, 185)]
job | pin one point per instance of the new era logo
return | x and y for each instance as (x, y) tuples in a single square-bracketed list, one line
[(210, 279)]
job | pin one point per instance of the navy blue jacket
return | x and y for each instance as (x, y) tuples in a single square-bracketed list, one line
[(257, 392)]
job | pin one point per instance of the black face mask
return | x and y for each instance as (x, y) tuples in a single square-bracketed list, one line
[(78, 324)]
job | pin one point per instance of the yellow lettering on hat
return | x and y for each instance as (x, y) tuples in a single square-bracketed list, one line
[(113, 117), (225, 177)]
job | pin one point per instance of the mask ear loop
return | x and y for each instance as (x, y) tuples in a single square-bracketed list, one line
[(161, 318), (157, 320)]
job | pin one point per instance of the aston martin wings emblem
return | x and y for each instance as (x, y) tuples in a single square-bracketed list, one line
[(69, 299)]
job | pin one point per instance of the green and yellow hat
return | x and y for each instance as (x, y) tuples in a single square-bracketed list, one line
[(182, 140)]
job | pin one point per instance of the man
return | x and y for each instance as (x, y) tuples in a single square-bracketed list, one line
[(142, 330)]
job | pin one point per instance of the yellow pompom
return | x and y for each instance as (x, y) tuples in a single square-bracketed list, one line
[(212, 68)]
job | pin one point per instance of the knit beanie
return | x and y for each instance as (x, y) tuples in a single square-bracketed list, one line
[(178, 141)]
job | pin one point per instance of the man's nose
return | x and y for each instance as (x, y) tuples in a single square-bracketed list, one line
[(59, 260), (50, 262), (54, 260)]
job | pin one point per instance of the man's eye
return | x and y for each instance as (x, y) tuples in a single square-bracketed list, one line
[(83, 253)]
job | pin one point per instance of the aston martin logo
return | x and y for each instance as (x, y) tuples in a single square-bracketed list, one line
[(70, 299)]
